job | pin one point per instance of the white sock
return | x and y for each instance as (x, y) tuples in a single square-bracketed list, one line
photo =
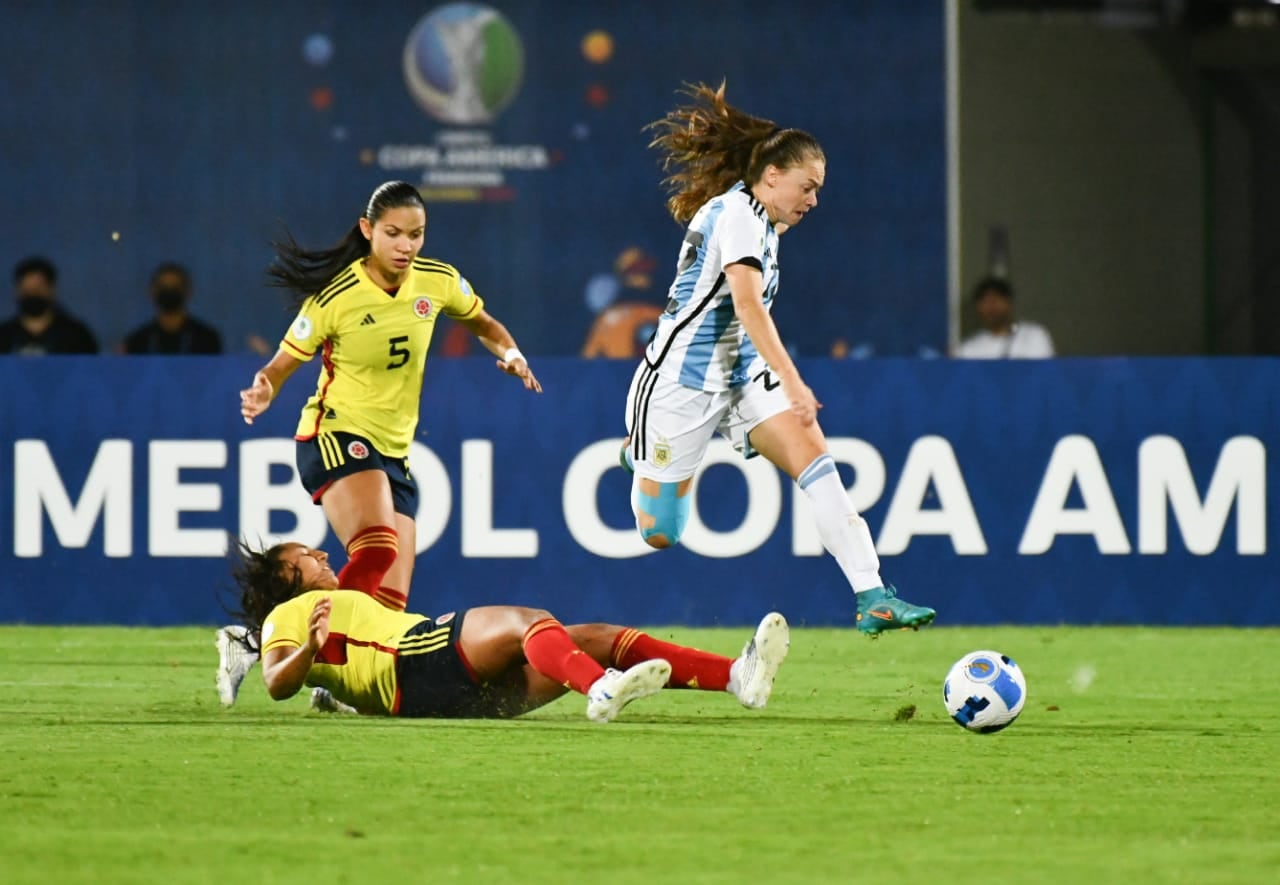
[(844, 533)]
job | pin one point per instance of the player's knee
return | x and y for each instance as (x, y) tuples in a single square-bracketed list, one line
[(525, 618), (521, 623), (661, 518)]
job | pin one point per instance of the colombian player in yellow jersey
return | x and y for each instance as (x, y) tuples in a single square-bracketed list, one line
[(367, 308), (489, 661)]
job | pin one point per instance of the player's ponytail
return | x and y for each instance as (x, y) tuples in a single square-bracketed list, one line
[(708, 145), (306, 271), (263, 585)]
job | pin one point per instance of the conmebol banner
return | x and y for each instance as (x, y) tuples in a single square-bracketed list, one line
[(1068, 491)]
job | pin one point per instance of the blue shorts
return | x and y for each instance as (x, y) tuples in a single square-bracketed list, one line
[(433, 678), (329, 456)]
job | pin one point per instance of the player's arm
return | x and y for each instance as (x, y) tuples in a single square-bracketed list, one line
[(285, 667), (499, 342), (746, 283), (266, 383)]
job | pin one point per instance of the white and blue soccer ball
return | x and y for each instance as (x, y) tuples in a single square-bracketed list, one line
[(985, 691)]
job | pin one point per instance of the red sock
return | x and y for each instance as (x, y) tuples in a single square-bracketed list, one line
[(551, 651), (392, 599), (372, 552), (690, 668)]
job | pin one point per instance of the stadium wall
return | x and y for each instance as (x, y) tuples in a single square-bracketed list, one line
[(1084, 143), (192, 132), (1092, 491)]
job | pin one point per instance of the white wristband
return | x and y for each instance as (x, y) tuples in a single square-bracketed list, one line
[(513, 354)]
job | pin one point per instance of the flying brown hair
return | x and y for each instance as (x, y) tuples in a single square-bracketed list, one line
[(708, 145)]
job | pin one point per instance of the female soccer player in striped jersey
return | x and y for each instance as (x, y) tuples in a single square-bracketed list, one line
[(489, 661), (368, 307), (716, 361)]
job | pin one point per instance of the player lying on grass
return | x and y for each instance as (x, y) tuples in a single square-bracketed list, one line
[(485, 662)]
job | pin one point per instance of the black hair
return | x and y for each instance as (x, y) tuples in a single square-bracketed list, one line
[(992, 284), (304, 272), (263, 584), (36, 264), (171, 267)]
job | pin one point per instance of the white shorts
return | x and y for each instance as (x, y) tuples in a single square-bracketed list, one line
[(670, 425)]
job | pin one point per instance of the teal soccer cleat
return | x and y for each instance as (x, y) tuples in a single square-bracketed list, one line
[(881, 609)]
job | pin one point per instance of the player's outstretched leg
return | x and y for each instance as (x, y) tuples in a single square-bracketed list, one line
[(235, 660), (880, 609), (751, 675), (617, 688), (323, 701)]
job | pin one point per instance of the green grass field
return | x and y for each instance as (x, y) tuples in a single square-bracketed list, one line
[(1143, 755)]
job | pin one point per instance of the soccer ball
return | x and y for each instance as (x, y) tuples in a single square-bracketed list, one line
[(985, 691)]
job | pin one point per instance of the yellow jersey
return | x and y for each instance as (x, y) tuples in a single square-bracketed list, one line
[(373, 347), (358, 662)]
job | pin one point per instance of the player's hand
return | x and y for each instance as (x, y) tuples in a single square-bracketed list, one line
[(521, 370), (256, 399), (318, 627), (804, 405)]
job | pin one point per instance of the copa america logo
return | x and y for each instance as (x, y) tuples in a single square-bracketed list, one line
[(463, 63)]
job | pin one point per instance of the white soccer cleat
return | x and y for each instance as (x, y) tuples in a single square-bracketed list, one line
[(234, 662), (323, 701), (617, 688), (751, 675)]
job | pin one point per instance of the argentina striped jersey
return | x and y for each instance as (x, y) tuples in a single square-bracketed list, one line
[(699, 341)]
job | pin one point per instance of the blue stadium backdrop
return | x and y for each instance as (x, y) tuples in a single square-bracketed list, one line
[(1062, 491), (190, 131)]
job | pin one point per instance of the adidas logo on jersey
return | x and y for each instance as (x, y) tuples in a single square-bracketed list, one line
[(368, 320)]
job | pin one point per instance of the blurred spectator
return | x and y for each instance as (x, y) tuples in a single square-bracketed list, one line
[(173, 330), (41, 326), (621, 330), (457, 341), (1002, 337), (259, 345)]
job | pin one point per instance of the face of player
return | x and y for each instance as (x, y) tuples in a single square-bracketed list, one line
[(394, 241), (312, 566), (788, 194)]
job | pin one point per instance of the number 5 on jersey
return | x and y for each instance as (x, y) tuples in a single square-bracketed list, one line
[(399, 355)]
